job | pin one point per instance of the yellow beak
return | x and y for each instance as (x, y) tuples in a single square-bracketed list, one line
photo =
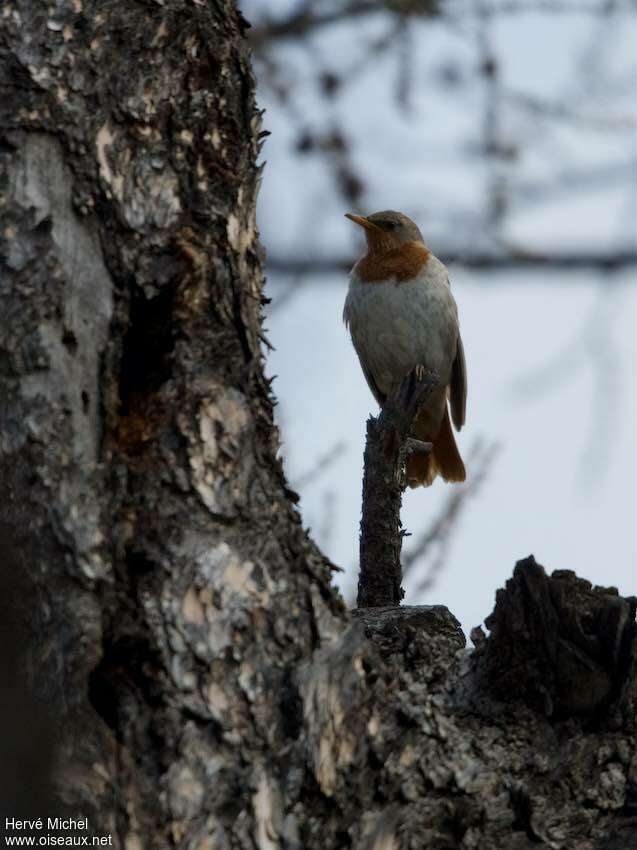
[(364, 222)]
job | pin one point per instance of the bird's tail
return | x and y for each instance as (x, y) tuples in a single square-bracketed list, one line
[(444, 459)]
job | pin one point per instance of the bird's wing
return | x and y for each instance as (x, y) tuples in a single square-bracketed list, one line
[(360, 350), (458, 387), (371, 383)]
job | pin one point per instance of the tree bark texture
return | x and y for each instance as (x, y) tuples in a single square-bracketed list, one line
[(381, 533), (171, 587), (200, 679)]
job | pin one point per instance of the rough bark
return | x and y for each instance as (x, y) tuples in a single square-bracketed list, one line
[(199, 677), (171, 587), (381, 535)]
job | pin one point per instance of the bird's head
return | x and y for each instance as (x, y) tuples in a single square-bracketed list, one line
[(387, 229)]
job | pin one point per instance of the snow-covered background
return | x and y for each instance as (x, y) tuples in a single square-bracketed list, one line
[(499, 132)]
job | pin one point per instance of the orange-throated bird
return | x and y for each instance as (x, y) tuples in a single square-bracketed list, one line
[(401, 314)]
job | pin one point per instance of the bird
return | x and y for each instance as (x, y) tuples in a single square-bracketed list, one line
[(401, 315)]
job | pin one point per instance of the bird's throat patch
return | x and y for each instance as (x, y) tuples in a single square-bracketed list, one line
[(402, 263)]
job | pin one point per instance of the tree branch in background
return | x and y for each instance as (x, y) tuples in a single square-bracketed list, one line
[(513, 124), (320, 465), (305, 19), (510, 260), (381, 536), (429, 552)]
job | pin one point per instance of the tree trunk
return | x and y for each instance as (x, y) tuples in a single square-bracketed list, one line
[(184, 649), (172, 589)]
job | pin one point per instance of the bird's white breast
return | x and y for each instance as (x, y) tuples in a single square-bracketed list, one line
[(396, 326)]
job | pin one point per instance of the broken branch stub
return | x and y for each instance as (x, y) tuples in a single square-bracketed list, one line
[(387, 445), (558, 643)]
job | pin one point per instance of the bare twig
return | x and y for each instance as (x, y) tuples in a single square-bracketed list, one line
[(432, 547), (546, 7), (496, 188), (542, 107), (307, 19), (320, 465), (286, 293), (593, 348), (383, 484)]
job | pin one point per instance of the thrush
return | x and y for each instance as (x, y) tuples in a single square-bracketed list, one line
[(401, 314)]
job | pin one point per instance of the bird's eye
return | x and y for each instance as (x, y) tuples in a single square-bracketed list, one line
[(386, 224)]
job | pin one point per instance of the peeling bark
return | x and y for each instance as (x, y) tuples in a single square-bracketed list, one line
[(170, 578), (201, 681)]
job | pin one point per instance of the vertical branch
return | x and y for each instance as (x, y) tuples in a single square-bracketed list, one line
[(381, 532), (496, 184), (387, 444)]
